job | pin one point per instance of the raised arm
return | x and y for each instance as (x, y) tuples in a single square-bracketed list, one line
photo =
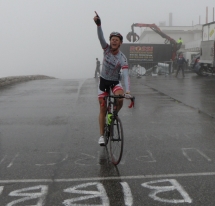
[(101, 37), (99, 31)]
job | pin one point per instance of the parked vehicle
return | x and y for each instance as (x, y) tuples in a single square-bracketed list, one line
[(204, 70), (194, 61), (207, 54), (189, 56), (194, 64), (196, 68)]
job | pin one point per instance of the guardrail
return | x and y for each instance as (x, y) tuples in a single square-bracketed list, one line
[(16, 79)]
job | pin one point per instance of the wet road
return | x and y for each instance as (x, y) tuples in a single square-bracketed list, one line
[(49, 153)]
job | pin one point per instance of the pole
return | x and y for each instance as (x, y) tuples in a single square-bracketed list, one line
[(213, 13)]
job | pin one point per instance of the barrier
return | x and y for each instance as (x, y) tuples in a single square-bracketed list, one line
[(16, 79)]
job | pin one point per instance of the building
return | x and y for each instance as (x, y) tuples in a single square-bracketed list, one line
[(191, 36)]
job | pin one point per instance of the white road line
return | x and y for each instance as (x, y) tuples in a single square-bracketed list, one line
[(109, 178), (204, 155), (13, 160), (51, 164), (184, 152), (1, 189), (128, 198), (2, 160)]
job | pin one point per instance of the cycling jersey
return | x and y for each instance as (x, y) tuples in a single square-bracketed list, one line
[(112, 64)]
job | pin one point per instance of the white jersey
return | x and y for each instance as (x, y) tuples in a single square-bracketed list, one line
[(112, 64)]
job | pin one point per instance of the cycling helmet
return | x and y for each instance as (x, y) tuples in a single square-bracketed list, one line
[(116, 34)]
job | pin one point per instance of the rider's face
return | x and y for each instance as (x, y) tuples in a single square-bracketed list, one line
[(115, 42)]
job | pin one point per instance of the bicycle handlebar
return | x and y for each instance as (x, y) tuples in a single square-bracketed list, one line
[(120, 96)]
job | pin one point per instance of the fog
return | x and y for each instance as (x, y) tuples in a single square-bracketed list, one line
[(58, 38)]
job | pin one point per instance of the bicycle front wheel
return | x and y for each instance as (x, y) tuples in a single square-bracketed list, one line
[(116, 140)]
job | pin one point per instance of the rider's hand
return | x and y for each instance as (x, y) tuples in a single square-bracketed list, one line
[(97, 20), (127, 95)]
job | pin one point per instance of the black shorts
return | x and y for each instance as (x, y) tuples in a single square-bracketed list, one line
[(105, 85)]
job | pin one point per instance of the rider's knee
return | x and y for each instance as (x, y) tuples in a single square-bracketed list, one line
[(102, 105)]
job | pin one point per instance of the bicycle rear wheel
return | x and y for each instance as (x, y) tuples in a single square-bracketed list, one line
[(116, 140)]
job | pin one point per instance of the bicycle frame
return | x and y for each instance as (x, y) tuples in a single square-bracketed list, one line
[(112, 105)]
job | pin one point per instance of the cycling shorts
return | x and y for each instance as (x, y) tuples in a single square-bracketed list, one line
[(105, 85)]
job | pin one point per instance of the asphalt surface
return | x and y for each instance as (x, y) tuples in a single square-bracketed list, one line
[(49, 153)]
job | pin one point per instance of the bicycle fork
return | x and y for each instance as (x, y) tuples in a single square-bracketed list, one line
[(113, 137)]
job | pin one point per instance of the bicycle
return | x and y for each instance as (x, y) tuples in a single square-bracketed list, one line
[(113, 128)]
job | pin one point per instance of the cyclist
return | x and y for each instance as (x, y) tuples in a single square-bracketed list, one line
[(113, 61)]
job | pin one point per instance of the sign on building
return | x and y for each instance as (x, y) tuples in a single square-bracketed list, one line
[(137, 53), (208, 31)]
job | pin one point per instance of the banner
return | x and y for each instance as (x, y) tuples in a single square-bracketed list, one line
[(146, 52)]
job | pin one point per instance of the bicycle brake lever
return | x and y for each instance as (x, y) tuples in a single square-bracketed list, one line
[(132, 103)]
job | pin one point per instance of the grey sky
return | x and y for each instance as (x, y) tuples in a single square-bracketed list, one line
[(58, 37)]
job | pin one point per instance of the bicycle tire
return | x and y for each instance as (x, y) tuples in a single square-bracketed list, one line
[(116, 140)]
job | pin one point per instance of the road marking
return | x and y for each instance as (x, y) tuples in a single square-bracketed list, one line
[(141, 158), (2, 160), (185, 153), (128, 199), (52, 164), (30, 196), (108, 178), (101, 193), (162, 189), (13, 160), (1, 189)]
